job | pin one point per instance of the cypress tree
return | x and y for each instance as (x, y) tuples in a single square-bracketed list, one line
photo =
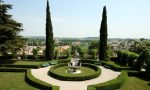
[(49, 35), (103, 54)]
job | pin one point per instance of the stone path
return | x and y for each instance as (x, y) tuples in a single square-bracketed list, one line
[(42, 74)]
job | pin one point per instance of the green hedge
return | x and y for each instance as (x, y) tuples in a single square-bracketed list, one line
[(60, 61), (115, 67), (104, 63), (4, 69), (126, 57), (63, 61), (75, 78), (20, 66), (91, 61), (63, 57), (38, 83), (112, 84)]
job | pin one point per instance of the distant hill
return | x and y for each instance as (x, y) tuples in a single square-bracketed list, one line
[(63, 38)]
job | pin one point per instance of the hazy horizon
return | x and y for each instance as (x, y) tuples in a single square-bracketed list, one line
[(86, 37), (82, 18)]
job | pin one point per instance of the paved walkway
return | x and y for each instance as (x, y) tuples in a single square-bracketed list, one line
[(42, 74)]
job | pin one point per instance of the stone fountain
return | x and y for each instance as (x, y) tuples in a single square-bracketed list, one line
[(75, 64)]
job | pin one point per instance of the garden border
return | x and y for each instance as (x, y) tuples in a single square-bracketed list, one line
[(77, 78)]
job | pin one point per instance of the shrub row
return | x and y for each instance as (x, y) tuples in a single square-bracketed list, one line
[(63, 57), (91, 61), (112, 84), (4, 69), (20, 66), (75, 78), (62, 61), (41, 57), (115, 67), (126, 57), (111, 66), (38, 83), (137, 73)]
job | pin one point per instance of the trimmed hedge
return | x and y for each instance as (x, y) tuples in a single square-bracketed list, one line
[(3, 69), (38, 83), (61, 61), (126, 57), (112, 84), (75, 78), (105, 64), (63, 57), (91, 61), (20, 66), (137, 73), (115, 67)]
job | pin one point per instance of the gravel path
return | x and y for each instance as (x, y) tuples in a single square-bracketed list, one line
[(106, 75)]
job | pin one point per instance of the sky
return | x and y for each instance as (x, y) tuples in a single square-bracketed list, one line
[(82, 18)]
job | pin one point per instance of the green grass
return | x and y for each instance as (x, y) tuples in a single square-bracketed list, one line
[(14, 81), (85, 71), (135, 83)]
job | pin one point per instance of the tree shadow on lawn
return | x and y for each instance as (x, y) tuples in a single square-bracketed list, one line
[(148, 84), (7, 61), (144, 79)]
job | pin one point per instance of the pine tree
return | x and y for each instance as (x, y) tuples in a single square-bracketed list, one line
[(103, 54), (10, 41), (49, 35)]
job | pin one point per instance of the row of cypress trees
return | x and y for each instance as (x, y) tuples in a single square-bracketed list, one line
[(103, 54)]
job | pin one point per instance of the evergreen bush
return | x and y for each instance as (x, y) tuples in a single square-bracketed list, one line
[(112, 84), (125, 57)]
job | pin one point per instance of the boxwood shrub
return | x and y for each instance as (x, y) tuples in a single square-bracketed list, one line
[(61, 61), (112, 84), (91, 61), (63, 57), (5, 69), (115, 67), (20, 66), (38, 83), (126, 57), (75, 78)]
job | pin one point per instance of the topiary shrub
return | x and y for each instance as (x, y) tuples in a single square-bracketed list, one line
[(112, 84)]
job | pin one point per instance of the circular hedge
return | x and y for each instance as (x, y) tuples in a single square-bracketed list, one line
[(91, 71)]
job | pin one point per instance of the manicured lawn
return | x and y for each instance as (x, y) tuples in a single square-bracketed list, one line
[(14, 81), (135, 83), (84, 71)]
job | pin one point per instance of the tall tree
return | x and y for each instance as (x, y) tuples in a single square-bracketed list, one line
[(49, 35), (103, 54), (10, 41)]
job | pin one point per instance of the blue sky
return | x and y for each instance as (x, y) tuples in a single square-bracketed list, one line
[(82, 18)]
